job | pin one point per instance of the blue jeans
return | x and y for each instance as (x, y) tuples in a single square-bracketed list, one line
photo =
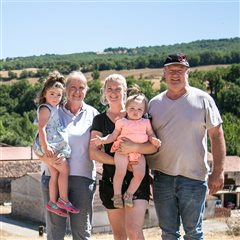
[(81, 193), (179, 199)]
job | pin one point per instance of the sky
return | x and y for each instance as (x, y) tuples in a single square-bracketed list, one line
[(38, 27)]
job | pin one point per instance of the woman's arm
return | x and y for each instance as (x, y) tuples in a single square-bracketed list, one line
[(95, 152), (57, 159), (127, 146)]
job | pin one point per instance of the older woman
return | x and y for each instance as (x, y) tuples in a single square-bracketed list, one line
[(126, 222), (76, 117)]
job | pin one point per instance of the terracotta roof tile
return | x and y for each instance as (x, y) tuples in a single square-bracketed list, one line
[(16, 153)]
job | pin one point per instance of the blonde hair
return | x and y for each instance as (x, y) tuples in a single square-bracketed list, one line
[(54, 80), (135, 93), (115, 78)]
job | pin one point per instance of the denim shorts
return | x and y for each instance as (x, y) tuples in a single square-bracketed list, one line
[(106, 189)]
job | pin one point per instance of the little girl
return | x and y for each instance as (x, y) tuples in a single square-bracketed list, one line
[(52, 139), (139, 130)]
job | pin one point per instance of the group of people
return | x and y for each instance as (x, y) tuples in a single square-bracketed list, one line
[(167, 136)]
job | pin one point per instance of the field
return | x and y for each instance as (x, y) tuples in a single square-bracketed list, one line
[(153, 74)]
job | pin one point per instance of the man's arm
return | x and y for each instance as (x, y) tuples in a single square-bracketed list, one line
[(216, 178)]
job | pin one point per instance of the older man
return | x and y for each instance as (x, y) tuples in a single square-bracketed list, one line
[(182, 116)]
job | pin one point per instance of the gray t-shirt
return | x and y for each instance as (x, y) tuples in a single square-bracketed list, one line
[(182, 125), (78, 130)]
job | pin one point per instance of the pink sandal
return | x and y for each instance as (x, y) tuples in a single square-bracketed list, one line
[(67, 206), (52, 207)]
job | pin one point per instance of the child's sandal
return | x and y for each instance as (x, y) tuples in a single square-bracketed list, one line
[(117, 201)]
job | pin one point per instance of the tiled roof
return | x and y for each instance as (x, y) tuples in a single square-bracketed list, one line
[(16, 153), (231, 164), (12, 154)]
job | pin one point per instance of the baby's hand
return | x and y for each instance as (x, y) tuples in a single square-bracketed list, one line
[(155, 141), (49, 152), (97, 141)]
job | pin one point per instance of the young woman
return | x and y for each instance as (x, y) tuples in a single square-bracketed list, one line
[(132, 219)]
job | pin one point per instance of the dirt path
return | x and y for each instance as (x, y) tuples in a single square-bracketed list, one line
[(214, 229)]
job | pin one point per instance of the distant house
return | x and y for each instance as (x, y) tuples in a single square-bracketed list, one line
[(15, 162), (230, 195)]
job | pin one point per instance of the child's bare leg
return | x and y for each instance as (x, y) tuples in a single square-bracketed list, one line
[(53, 184), (63, 172), (63, 201), (121, 163), (138, 175)]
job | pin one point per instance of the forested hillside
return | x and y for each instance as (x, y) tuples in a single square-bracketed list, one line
[(203, 52), (18, 109)]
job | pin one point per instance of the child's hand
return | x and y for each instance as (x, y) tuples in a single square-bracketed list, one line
[(97, 141), (155, 141), (49, 152)]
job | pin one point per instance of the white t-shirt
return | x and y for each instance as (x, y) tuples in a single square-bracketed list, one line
[(182, 125)]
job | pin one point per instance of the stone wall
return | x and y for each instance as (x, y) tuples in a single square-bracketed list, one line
[(235, 176), (26, 197), (222, 212), (11, 170)]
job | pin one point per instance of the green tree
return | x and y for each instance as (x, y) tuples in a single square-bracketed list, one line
[(163, 86), (233, 74), (94, 95), (7, 102), (95, 74), (24, 74), (231, 127), (145, 85), (229, 100), (12, 75), (42, 73), (214, 82), (74, 67)]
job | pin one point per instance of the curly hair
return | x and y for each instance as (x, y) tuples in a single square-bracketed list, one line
[(54, 80)]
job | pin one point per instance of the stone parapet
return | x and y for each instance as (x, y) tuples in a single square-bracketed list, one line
[(17, 168)]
